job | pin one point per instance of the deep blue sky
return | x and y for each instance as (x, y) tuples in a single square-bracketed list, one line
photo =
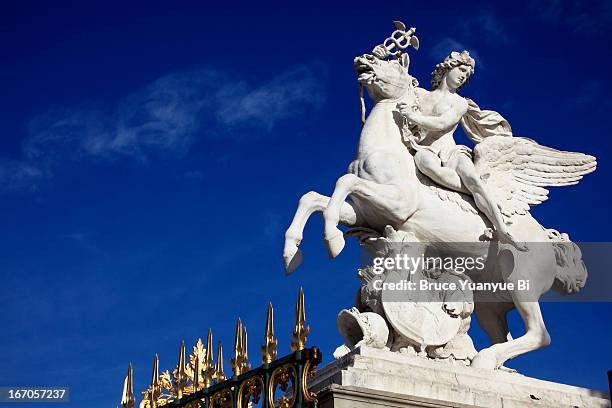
[(151, 156)]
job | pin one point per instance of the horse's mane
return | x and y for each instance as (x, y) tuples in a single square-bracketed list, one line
[(464, 201)]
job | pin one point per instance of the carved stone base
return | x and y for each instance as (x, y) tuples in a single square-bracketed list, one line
[(369, 377)]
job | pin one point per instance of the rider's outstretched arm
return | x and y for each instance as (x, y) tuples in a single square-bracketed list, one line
[(445, 121)]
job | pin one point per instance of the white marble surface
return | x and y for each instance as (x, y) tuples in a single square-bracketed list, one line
[(386, 371)]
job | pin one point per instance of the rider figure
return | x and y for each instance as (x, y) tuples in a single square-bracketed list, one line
[(438, 114)]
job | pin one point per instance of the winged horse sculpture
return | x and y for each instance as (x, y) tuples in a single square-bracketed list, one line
[(386, 188)]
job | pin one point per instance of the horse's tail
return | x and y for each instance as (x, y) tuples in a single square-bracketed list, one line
[(571, 273)]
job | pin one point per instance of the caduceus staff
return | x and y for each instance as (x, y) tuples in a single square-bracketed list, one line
[(393, 46)]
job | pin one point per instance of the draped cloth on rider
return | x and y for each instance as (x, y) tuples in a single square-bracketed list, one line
[(479, 124)]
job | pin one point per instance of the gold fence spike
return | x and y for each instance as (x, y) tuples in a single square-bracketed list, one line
[(196, 375), (127, 399), (245, 350), (300, 330), (208, 358), (245, 346), (219, 374), (268, 349), (155, 387), (181, 379), (155, 376), (238, 357), (238, 338), (181, 361), (208, 361)]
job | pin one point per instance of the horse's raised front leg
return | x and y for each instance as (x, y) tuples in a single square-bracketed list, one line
[(388, 199), (536, 337), (310, 203)]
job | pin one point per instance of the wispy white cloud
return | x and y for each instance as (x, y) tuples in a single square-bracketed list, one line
[(580, 17), (163, 118), (444, 47), (447, 44), (484, 26), (19, 175), (481, 28), (284, 96)]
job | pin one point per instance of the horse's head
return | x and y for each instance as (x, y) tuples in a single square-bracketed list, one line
[(384, 79)]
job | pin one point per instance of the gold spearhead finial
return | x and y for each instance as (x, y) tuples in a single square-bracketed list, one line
[(300, 330), (181, 377), (196, 375), (238, 356), (155, 386), (127, 399), (245, 350), (240, 362), (268, 349), (155, 375), (219, 374), (209, 369)]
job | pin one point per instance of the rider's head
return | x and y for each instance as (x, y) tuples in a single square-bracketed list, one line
[(454, 60)]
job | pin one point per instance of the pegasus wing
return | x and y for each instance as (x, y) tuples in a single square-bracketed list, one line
[(517, 170)]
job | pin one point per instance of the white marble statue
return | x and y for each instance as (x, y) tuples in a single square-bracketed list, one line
[(410, 175)]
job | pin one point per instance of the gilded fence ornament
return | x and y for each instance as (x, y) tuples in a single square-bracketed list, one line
[(196, 377), (236, 360), (127, 399), (152, 395), (168, 389), (209, 369), (196, 366), (309, 371), (240, 362), (180, 377), (300, 329), (283, 377), (268, 349), (221, 399), (245, 348), (219, 373), (249, 392), (198, 381)]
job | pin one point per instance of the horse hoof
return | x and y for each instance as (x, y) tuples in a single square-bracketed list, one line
[(485, 360), (293, 259), (334, 243)]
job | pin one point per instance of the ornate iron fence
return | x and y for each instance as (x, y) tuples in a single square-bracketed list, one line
[(198, 382)]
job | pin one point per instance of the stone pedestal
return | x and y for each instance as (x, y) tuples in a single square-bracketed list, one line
[(370, 377)]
